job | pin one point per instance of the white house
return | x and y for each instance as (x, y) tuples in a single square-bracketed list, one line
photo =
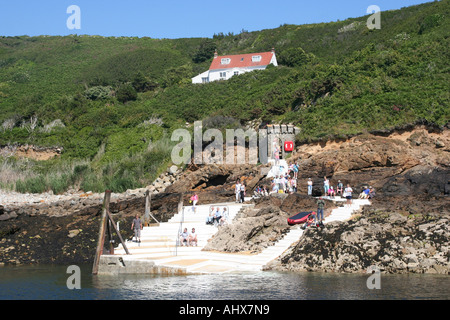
[(224, 67)]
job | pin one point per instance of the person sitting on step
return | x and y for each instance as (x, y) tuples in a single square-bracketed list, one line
[(224, 218), (184, 238), (192, 238), (217, 216), (340, 188), (331, 192), (210, 217)]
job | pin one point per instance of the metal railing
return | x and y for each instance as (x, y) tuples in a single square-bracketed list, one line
[(180, 230)]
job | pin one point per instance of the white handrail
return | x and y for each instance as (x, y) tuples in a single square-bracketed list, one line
[(177, 242)]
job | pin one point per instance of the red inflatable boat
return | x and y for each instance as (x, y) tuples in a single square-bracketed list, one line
[(301, 217)]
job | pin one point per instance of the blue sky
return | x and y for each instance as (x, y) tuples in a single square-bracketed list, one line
[(175, 18)]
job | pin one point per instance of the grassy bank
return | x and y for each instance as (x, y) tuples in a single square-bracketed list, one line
[(59, 175), (106, 101)]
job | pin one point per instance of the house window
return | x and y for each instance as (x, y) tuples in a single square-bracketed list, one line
[(256, 58), (205, 80), (236, 73), (225, 61), (223, 75)]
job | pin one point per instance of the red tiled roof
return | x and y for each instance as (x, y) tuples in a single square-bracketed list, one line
[(241, 60)]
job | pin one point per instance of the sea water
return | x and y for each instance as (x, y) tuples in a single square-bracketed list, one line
[(49, 282)]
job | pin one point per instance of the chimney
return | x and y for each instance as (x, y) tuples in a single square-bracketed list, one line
[(215, 54), (273, 50)]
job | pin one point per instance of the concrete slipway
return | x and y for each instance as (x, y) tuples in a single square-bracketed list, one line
[(157, 252)]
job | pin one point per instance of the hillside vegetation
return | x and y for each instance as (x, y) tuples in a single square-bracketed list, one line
[(111, 103)]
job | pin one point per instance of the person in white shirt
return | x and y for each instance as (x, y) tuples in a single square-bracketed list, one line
[(326, 185), (237, 190), (275, 185), (310, 185), (294, 184), (348, 195), (224, 219), (193, 238), (242, 191), (210, 217)]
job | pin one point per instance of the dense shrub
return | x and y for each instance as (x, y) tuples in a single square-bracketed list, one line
[(98, 93), (205, 51), (126, 92), (295, 57), (142, 83)]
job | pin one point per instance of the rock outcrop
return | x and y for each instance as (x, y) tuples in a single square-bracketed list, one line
[(263, 224), (392, 242), (253, 231)]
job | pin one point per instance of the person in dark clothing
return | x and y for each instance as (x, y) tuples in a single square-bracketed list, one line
[(320, 207), (137, 226), (242, 192)]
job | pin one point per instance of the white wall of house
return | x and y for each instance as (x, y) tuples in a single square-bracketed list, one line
[(201, 78), (274, 60), (225, 74)]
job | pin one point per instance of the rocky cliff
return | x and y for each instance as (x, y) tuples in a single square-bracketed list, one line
[(405, 229), (262, 225)]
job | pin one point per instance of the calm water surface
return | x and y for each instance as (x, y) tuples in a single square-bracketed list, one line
[(49, 283)]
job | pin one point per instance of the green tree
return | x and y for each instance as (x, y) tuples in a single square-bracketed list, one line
[(205, 51), (295, 57), (177, 76), (126, 92), (142, 83)]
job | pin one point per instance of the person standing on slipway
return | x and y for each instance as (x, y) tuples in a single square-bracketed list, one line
[(242, 192), (310, 186), (194, 200), (237, 190), (320, 206), (137, 226)]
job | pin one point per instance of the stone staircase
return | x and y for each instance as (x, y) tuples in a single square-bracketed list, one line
[(345, 212), (158, 245), (160, 242)]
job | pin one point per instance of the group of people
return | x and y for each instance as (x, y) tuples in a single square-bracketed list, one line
[(367, 193), (217, 217), (346, 192), (260, 192), (284, 184), (316, 218), (330, 191), (188, 238)]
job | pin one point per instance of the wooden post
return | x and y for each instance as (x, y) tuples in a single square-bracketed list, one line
[(118, 233), (111, 241), (101, 235), (148, 208)]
